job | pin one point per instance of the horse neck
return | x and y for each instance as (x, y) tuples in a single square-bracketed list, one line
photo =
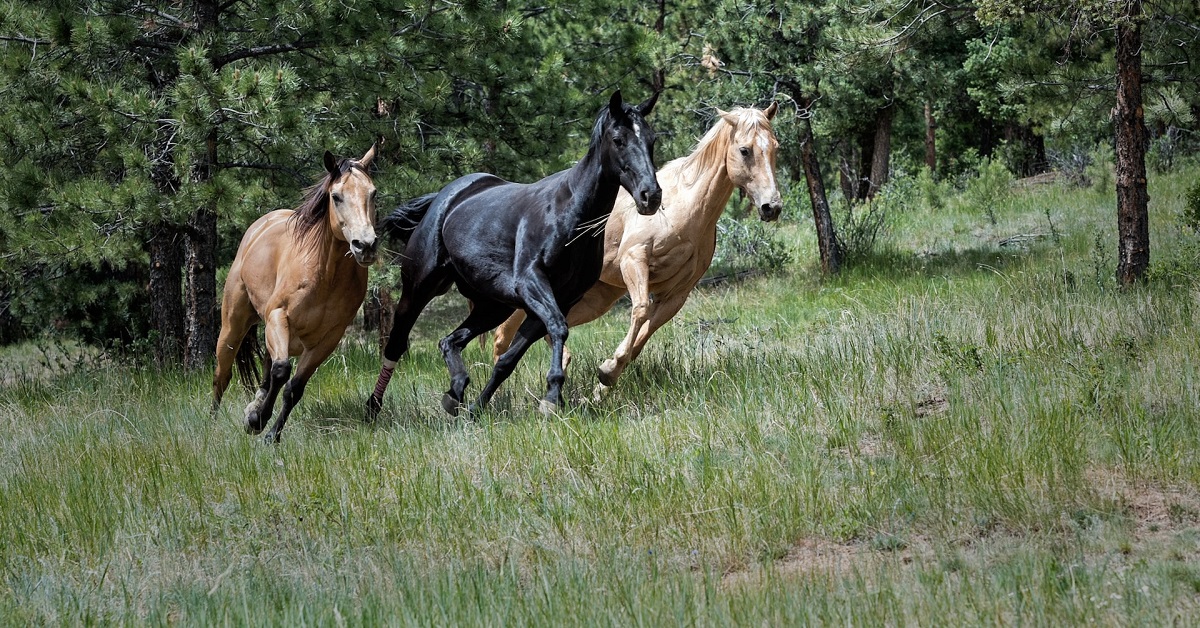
[(702, 184), (593, 191)]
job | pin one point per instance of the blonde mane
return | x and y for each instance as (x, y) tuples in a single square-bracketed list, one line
[(709, 153)]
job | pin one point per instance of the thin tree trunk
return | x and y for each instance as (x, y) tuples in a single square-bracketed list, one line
[(202, 272), (847, 179), (201, 298), (831, 256), (1133, 225), (166, 294), (930, 138), (881, 155)]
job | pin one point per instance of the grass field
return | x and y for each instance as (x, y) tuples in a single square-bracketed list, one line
[(953, 432)]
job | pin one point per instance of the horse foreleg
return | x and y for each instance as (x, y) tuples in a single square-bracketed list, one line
[(540, 301), (661, 313), (306, 366), (635, 270), (278, 339), (531, 330), (482, 318)]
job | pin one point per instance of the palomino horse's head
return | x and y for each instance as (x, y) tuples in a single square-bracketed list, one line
[(750, 157), (352, 205), (628, 148)]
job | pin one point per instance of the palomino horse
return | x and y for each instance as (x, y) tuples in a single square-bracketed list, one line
[(304, 273), (659, 259), (510, 245)]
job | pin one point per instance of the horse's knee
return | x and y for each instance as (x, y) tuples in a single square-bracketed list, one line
[(281, 370)]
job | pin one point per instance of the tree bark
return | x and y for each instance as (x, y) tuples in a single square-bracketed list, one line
[(166, 298), (930, 138), (201, 298), (881, 155), (831, 255), (202, 271), (1133, 224)]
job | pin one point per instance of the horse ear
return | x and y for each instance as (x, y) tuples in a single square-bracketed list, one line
[(331, 164), (770, 111), (731, 119), (645, 108), (615, 104), (366, 159)]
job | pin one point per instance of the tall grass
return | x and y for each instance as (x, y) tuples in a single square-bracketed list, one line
[(954, 431)]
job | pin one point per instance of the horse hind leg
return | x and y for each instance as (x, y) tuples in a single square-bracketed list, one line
[(235, 324), (405, 317)]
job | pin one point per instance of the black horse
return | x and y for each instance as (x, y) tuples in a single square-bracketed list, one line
[(509, 245)]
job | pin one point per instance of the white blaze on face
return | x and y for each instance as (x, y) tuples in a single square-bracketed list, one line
[(637, 130), (763, 145)]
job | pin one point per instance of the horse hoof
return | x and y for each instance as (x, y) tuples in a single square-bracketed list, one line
[(253, 425), (374, 405), (607, 373), (600, 391), (271, 438), (547, 408), (450, 404)]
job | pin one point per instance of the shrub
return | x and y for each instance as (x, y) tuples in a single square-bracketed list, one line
[(990, 189)]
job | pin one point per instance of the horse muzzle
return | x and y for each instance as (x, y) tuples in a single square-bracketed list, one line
[(769, 212), (648, 200), (364, 250)]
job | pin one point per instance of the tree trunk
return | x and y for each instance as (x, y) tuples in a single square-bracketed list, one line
[(930, 138), (202, 271), (847, 177), (881, 155), (831, 255), (166, 295), (1133, 225)]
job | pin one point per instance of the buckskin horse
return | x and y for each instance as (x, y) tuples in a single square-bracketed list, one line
[(304, 273), (509, 246), (659, 259)]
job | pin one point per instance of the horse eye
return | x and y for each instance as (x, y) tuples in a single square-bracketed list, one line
[(745, 151), (337, 198), (618, 140)]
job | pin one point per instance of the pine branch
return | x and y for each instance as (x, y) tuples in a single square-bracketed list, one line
[(262, 51)]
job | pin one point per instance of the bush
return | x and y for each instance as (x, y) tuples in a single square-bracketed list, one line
[(744, 245), (990, 189)]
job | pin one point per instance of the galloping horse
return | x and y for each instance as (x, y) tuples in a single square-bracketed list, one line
[(304, 272), (659, 259), (510, 245)]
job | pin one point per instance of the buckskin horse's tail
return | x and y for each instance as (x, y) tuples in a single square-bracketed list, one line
[(250, 355), (405, 218)]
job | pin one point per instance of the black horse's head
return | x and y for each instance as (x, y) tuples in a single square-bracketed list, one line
[(627, 143)]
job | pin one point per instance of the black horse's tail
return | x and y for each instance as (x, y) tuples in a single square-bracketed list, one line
[(405, 218), (250, 356)]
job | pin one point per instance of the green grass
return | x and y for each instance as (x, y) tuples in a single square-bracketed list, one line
[(952, 432)]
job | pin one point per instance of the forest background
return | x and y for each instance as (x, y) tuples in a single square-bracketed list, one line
[(141, 138)]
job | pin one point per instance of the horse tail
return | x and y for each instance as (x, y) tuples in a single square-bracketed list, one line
[(405, 218), (250, 356)]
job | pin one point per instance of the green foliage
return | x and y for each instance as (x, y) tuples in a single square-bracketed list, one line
[(990, 190), (745, 245)]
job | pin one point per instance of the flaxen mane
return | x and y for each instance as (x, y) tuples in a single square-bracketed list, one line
[(709, 152)]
